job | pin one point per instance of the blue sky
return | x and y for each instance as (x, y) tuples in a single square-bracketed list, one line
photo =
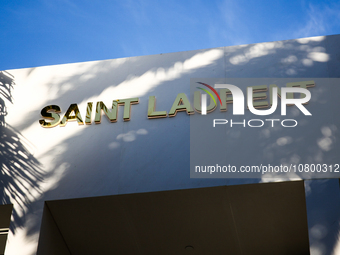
[(47, 32)]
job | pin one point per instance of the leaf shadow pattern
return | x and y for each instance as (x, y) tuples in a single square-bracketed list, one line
[(21, 172)]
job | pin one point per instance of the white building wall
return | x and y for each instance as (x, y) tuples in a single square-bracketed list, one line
[(140, 155)]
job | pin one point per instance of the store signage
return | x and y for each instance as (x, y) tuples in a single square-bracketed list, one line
[(227, 94)]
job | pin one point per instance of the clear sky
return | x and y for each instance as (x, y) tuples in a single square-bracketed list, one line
[(47, 32)]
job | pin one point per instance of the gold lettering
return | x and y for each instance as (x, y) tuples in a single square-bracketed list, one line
[(181, 104), (88, 120), (127, 106), (73, 109), (289, 95), (51, 113), (259, 96), (111, 115), (198, 104), (152, 114), (301, 84), (225, 99)]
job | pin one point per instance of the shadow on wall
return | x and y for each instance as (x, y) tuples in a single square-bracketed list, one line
[(20, 171), (295, 58)]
